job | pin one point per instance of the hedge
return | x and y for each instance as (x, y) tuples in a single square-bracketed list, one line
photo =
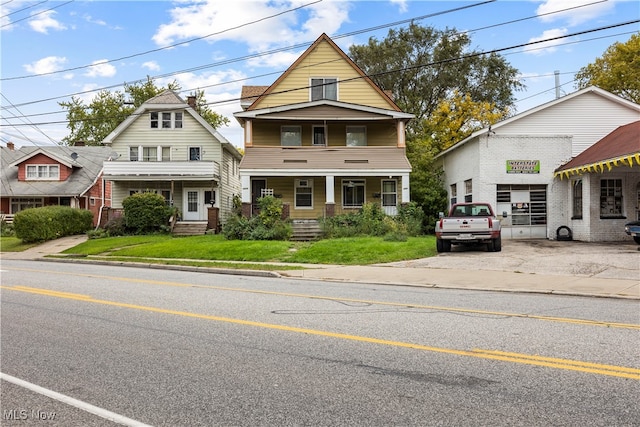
[(50, 222)]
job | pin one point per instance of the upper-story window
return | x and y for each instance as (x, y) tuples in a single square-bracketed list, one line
[(43, 172), (356, 136), (291, 136), (150, 154), (319, 136), (195, 154), (165, 119), (324, 88)]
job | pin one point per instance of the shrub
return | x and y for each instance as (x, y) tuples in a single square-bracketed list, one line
[(268, 225), (51, 222), (146, 213), (372, 221), (6, 229)]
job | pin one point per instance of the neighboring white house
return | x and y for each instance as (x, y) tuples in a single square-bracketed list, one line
[(516, 165), (166, 147)]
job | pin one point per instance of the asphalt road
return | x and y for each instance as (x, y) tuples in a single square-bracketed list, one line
[(169, 348)]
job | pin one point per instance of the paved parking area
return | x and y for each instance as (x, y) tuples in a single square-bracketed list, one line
[(619, 260)]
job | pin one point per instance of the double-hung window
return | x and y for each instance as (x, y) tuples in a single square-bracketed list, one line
[(610, 198), (194, 154), (304, 193), (324, 88), (577, 199), (166, 120), (149, 154)]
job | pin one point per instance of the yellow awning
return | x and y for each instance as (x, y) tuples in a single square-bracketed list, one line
[(600, 166)]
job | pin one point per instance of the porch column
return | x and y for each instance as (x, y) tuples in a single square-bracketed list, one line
[(248, 134), (330, 202), (406, 194), (400, 129), (245, 195)]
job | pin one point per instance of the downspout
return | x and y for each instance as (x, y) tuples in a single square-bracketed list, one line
[(101, 206)]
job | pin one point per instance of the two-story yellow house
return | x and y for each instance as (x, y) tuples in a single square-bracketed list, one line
[(324, 138), (166, 147)]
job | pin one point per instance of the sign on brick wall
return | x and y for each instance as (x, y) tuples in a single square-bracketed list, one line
[(523, 166)]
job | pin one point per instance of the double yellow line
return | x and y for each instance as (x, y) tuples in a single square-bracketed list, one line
[(549, 362), (585, 322)]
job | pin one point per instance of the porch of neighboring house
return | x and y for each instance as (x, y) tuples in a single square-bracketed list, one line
[(196, 202)]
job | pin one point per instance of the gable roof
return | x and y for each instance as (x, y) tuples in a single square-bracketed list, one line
[(87, 168), (168, 100), (324, 38), (621, 146), (591, 89)]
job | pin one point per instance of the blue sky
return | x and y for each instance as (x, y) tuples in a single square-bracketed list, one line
[(51, 50)]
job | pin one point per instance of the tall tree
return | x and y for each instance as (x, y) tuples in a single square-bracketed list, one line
[(422, 66), (93, 122), (616, 71)]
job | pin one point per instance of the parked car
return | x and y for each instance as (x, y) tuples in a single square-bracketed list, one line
[(469, 224), (633, 230)]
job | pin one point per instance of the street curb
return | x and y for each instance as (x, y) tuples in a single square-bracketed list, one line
[(273, 274)]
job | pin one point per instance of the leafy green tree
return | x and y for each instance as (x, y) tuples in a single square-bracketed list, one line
[(423, 66), (93, 122), (616, 71)]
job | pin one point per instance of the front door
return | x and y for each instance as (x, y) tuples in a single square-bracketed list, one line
[(193, 206), (257, 188)]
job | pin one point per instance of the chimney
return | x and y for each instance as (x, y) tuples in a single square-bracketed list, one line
[(191, 100), (78, 144), (11, 146)]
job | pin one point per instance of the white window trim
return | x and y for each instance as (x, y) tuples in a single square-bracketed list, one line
[(295, 193), (324, 79), (382, 192), (199, 151), (38, 177), (160, 120)]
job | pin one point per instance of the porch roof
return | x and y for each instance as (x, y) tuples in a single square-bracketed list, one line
[(619, 148), (323, 160)]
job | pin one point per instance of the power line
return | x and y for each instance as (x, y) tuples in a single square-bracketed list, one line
[(413, 67), (38, 13), (164, 47), (257, 55), (24, 8)]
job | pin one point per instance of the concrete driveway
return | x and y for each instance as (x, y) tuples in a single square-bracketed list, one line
[(619, 260)]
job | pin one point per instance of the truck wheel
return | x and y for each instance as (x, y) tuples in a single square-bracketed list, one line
[(443, 245), (497, 244)]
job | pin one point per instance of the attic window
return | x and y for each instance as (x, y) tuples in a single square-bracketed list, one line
[(324, 88), (43, 172)]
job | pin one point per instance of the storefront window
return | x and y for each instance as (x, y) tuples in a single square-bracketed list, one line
[(610, 198)]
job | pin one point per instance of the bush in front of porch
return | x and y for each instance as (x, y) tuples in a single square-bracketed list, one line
[(267, 225), (371, 220)]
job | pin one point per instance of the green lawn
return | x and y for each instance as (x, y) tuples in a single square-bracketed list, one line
[(13, 244), (347, 251)]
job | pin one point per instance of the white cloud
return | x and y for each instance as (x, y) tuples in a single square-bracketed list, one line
[(575, 16), (402, 5), (91, 20), (43, 22), (101, 68), (193, 20), (151, 65), (46, 65), (546, 47)]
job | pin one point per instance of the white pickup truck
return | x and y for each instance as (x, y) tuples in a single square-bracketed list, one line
[(468, 223)]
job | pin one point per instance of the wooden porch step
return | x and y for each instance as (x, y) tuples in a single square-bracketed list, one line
[(305, 230)]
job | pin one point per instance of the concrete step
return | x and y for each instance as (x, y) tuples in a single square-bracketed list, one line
[(305, 230), (190, 228)]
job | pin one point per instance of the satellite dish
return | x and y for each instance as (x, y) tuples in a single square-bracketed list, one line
[(74, 155), (113, 156)]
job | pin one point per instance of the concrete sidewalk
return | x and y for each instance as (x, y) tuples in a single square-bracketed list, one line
[(570, 268)]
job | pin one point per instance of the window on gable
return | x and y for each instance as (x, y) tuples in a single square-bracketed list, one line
[(133, 154), (291, 136), (149, 154), (166, 120), (177, 122), (356, 136), (43, 172), (324, 88), (153, 119)]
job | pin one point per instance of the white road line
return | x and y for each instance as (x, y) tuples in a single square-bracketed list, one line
[(111, 416)]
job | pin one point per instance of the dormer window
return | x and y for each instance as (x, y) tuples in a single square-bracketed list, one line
[(43, 172), (165, 120), (324, 88)]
